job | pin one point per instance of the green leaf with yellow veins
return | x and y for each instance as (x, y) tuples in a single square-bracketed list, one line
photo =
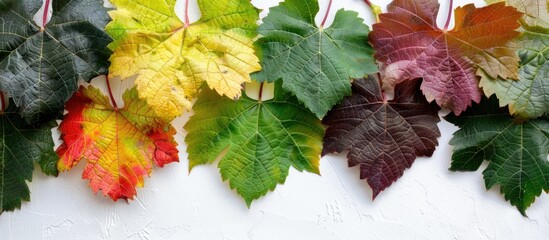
[(173, 58), (527, 97), (258, 141)]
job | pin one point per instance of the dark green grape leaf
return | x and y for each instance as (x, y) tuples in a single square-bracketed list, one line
[(517, 151), (40, 68), (315, 64), (258, 141), (382, 137), (21, 145)]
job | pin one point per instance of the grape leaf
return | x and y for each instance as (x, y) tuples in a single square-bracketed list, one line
[(262, 139), (382, 137), (410, 45), (119, 144), (316, 64), (536, 12), (173, 60), (517, 151), (40, 68), (529, 96), (21, 145)]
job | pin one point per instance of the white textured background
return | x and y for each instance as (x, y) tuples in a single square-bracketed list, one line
[(428, 202)]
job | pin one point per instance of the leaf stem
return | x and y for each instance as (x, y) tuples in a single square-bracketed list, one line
[(326, 15), (187, 22), (111, 95), (383, 95), (376, 10), (3, 102), (449, 15), (45, 14), (260, 96)]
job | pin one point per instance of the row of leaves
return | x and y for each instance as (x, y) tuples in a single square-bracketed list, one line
[(320, 79)]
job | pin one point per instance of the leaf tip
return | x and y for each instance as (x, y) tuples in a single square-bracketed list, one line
[(249, 202)]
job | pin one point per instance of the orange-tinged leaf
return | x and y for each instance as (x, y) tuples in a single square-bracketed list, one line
[(536, 12), (410, 45), (120, 145), (526, 97)]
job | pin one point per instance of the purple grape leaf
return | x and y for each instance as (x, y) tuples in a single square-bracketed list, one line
[(382, 137)]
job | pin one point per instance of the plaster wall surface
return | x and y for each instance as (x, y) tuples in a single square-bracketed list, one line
[(428, 202)]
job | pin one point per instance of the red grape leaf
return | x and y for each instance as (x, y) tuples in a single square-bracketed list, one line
[(409, 45), (120, 145), (383, 137)]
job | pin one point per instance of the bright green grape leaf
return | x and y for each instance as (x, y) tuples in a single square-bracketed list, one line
[(40, 68), (517, 151), (262, 139), (529, 96), (315, 64), (172, 60), (21, 145)]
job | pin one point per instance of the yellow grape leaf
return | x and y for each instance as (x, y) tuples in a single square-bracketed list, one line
[(173, 59)]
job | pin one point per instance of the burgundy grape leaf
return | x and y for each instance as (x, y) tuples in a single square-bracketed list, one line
[(382, 137), (410, 45)]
